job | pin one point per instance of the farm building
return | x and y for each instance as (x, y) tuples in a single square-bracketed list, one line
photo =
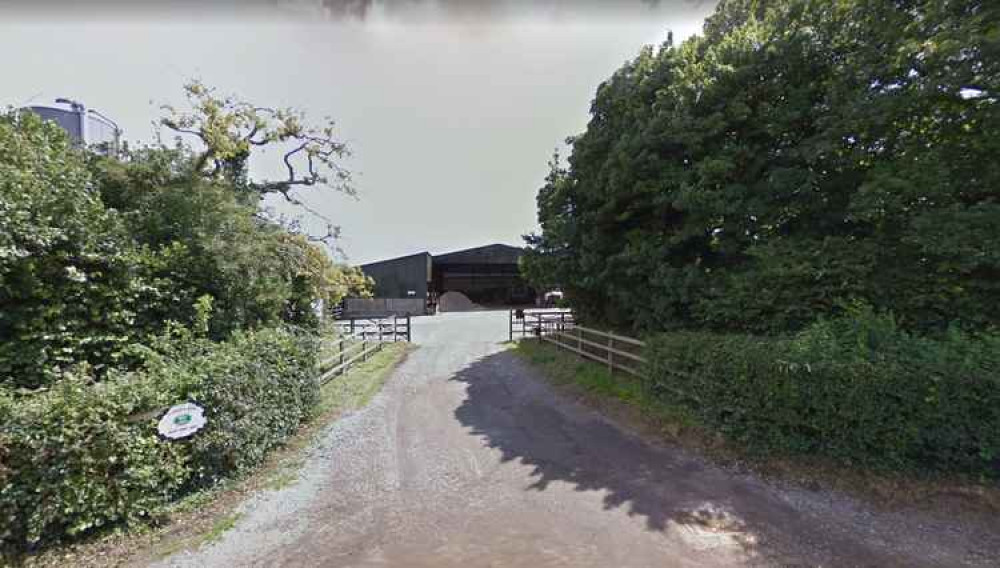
[(487, 275), (86, 127), (403, 277)]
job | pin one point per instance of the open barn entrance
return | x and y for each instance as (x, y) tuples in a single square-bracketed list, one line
[(488, 276)]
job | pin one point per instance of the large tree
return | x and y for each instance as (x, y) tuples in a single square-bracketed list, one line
[(798, 154)]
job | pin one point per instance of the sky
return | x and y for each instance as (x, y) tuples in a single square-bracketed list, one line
[(451, 108)]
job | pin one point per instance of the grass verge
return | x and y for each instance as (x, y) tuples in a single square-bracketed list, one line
[(620, 397), (204, 517)]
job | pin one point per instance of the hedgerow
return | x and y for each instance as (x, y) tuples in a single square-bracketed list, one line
[(85, 454), (855, 388)]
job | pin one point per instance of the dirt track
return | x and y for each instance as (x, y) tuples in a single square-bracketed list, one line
[(467, 459)]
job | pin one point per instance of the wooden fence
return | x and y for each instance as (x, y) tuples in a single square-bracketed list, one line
[(384, 329), (618, 352), (346, 351), (535, 323), (559, 328)]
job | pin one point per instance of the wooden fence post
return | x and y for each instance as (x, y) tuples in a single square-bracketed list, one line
[(611, 356), (341, 364), (408, 328), (364, 349), (510, 324)]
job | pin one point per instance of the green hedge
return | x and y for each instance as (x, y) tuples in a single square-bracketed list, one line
[(71, 461), (856, 388)]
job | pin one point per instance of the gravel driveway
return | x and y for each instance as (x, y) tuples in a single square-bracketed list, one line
[(467, 459)]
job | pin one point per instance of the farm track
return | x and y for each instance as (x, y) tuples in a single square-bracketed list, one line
[(467, 458)]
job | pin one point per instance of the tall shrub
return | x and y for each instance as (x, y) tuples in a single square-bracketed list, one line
[(69, 291)]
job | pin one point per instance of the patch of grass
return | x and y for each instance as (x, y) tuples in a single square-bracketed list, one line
[(283, 479), (197, 500), (596, 382), (564, 367), (362, 382), (220, 528)]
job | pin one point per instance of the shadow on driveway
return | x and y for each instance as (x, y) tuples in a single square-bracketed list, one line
[(562, 442)]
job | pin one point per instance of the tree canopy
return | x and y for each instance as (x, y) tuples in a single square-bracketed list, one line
[(797, 155), (98, 255)]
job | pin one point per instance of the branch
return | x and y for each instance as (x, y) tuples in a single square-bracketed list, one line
[(294, 227), (288, 160), (202, 161), (228, 127), (174, 126)]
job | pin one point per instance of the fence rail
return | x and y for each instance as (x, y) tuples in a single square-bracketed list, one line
[(349, 350), (536, 323), (384, 329), (558, 327), (361, 339)]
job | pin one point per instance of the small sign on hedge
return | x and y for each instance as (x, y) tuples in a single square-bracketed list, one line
[(181, 421)]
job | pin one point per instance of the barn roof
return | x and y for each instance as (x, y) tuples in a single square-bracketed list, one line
[(393, 260), (489, 254)]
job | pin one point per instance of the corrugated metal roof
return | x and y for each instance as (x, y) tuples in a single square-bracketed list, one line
[(391, 260), (489, 254)]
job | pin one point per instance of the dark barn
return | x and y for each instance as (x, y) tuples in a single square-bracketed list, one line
[(403, 277), (488, 275)]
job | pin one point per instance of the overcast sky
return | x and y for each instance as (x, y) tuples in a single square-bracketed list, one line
[(452, 108)]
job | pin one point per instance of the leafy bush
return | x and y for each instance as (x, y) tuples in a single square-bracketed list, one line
[(97, 254), (131, 284), (68, 290), (71, 460), (856, 388), (257, 388), (73, 463), (197, 237)]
